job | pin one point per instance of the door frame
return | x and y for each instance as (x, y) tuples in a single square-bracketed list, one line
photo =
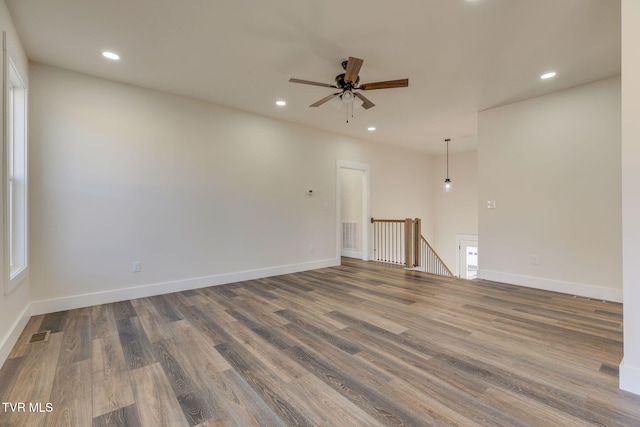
[(366, 212), (459, 239)]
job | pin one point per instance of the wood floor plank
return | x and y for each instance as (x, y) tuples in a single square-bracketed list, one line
[(260, 288), (530, 413), (373, 318), (204, 321), (151, 320), (183, 381), (201, 350), (253, 375), (76, 341), (157, 404), (71, 396), (261, 346), (123, 310), (314, 314), (196, 407), (54, 322), (243, 406), (8, 375), (328, 337), (164, 308), (103, 322), (136, 347), (122, 417), (334, 408), (110, 380)]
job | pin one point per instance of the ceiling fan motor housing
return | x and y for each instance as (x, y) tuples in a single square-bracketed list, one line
[(340, 83)]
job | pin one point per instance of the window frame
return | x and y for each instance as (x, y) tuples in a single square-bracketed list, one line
[(14, 175)]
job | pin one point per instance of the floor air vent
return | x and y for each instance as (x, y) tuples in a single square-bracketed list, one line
[(39, 337)]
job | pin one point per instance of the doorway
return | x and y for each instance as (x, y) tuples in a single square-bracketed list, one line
[(467, 262), (352, 210)]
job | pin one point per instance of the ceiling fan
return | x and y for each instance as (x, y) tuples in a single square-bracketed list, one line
[(348, 83)]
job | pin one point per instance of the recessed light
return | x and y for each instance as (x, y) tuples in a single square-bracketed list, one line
[(371, 128), (548, 75), (281, 103), (110, 55)]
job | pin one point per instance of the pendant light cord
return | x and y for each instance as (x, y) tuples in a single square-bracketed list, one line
[(447, 141)]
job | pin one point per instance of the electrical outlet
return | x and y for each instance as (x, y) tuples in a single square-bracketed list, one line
[(535, 259), (311, 248), (136, 267)]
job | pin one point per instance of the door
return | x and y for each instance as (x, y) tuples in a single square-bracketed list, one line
[(352, 226), (468, 258), (351, 213)]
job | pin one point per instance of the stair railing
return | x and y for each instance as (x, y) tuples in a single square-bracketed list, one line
[(400, 241), (431, 261)]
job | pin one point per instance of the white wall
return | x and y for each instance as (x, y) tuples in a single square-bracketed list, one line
[(630, 368), (455, 212), (192, 190), (13, 306), (552, 165)]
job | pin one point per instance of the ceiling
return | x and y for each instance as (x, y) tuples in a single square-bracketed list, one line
[(461, 56)]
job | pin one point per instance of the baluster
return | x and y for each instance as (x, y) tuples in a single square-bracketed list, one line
[(386, 240), (378, 248), (398, 243), (392, 243), (375, 240), (403, 258)]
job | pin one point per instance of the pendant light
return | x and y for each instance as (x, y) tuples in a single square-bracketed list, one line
[(447, 187)]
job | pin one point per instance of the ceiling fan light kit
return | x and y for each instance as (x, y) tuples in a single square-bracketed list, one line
[(347, 97), (349, 83)]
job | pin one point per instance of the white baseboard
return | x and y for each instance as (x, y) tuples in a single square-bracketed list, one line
[(87, 300), (12, 336), (351, 253), (589, 291), (629, 378)]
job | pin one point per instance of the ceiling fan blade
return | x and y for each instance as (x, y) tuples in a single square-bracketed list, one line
[(308, 82), (325, 99), (366, 104), (353, 69), (389, 84)]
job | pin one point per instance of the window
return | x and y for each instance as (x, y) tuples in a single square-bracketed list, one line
[(16, 177)]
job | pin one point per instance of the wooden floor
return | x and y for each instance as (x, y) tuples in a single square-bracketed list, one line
[(362, 344)]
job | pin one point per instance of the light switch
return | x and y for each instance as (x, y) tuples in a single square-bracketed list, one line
[(136, 267), (491, 204)]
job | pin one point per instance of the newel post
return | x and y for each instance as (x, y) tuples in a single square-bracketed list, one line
[(408, 243), (417, 235)]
